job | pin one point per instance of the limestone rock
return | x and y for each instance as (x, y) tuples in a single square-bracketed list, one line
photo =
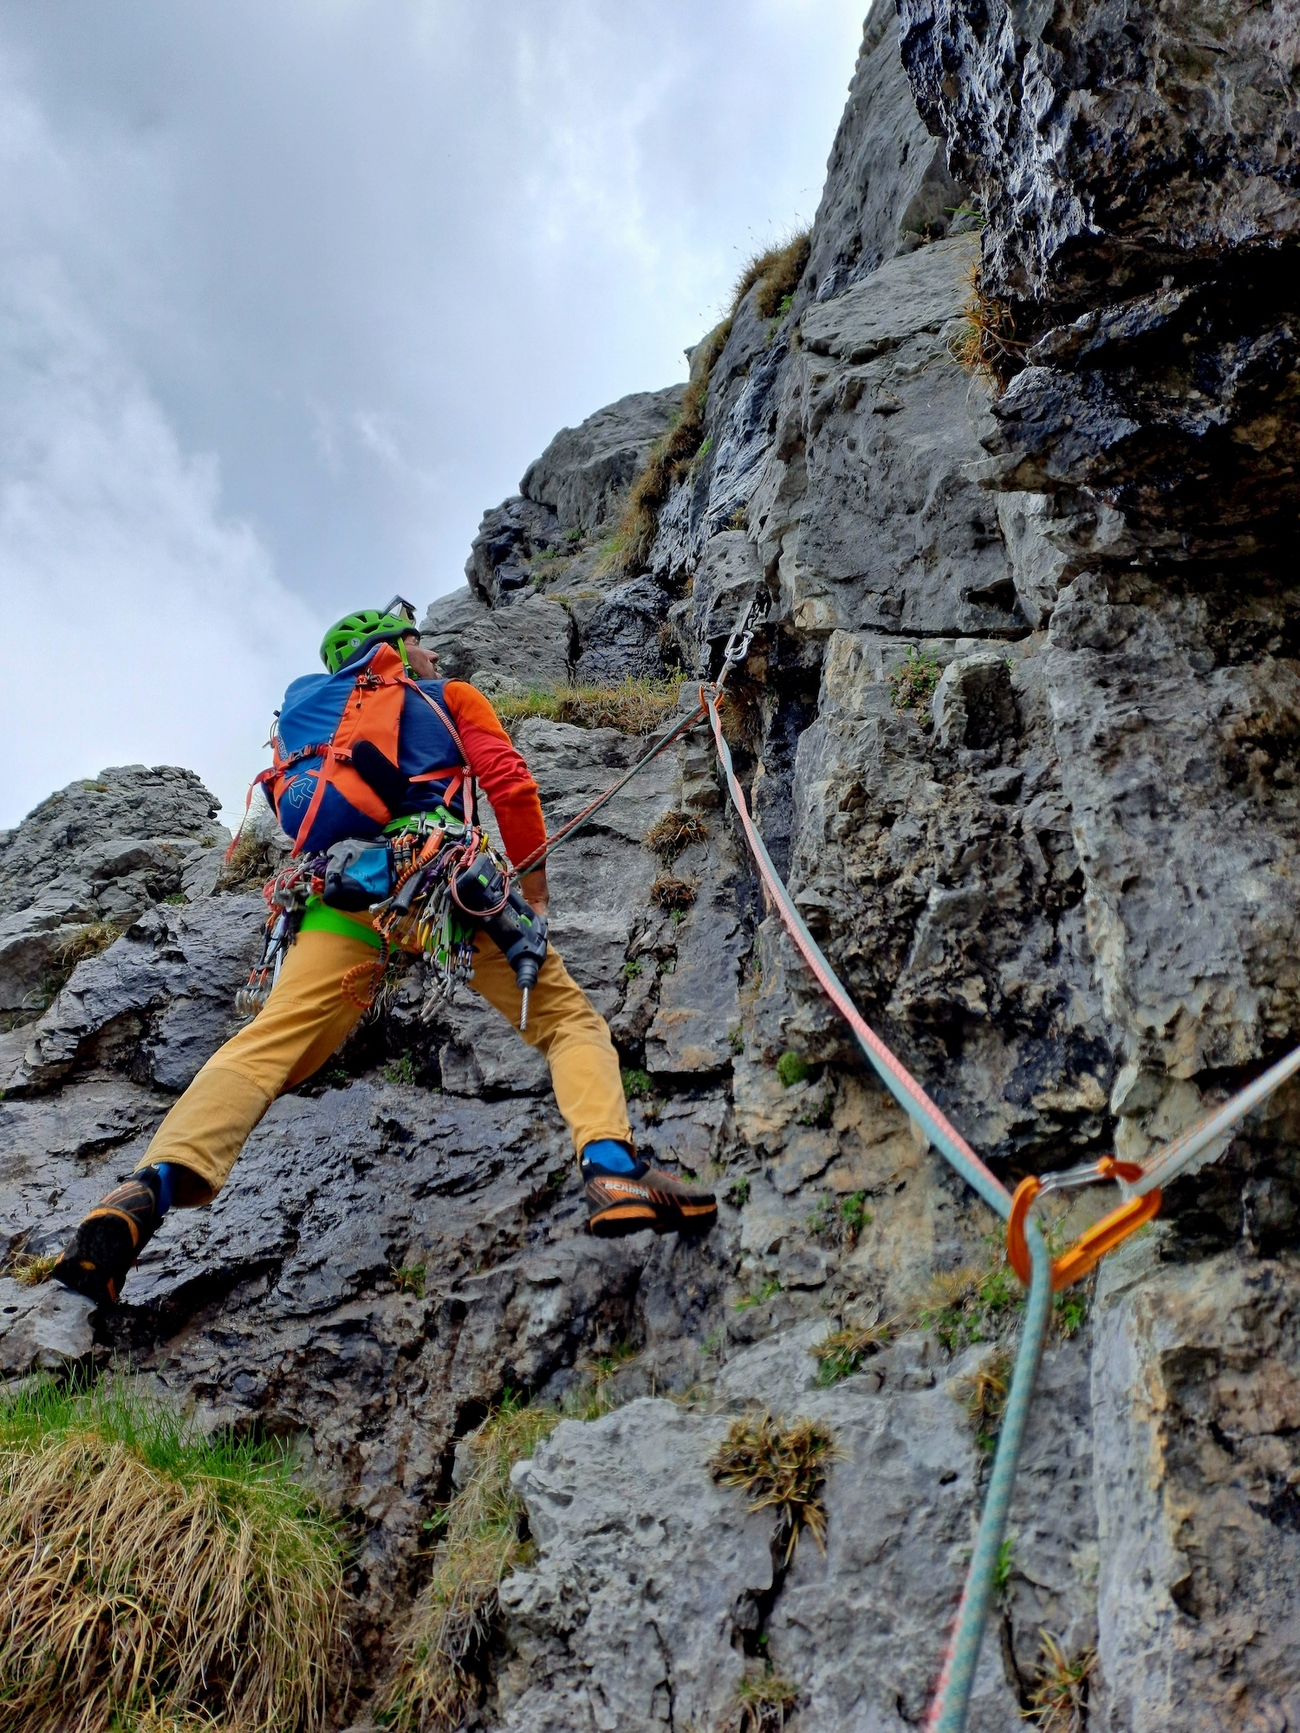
[(98, 853), (42, 1328), (585, 472), (528, 644), (510, 536), (162, 995), (647, 1572), (866, 504), (1196, 1391), (887, 183), (623, 636), (80, 832), (1111, 151)]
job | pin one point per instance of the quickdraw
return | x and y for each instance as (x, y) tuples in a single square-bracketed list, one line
[(1091, 1247), (421, 913), (286, 897)]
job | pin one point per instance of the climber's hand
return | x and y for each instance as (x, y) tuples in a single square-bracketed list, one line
[(536, 890)]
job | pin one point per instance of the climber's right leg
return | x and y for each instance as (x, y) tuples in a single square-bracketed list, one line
[(303, 1022)]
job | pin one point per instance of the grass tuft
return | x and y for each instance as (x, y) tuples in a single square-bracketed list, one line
[(912, 686), (87, 941), (31, 1268), (986, 1397), (435, 1683), (674, 833), (988, 346), (596, 1396), (636, 707), (404, 1069), (152, 1572), (844, 1352), (254, 859), (781, 1469), (791, 1069), (762, 1702), (1058, 1702), (670, 892), (777, 271), (970, 1305)]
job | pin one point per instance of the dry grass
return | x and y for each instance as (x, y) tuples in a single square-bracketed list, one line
[(844, 1352), (154, 1720), (971, 1304), (1058, 1702), (152, 1573), (670, 458), (435, 1684), (777, 271), (782, 1468), (763, 1701), (988, 346), (253, 859), (985, 1393), (674, 833), (31, 1268), (670, 892), (636, 707), (87, 941)]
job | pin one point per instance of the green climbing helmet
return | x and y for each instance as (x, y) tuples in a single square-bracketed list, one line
[(367, 626)]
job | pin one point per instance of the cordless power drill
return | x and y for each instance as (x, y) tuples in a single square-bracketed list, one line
[(515, 928)]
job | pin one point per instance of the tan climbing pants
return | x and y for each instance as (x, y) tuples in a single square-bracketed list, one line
[(306, 1018)]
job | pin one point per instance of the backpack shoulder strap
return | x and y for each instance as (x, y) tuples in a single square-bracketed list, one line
[(470, 783)]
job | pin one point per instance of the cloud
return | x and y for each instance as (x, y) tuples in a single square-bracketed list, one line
[(294, 291), (141, 623)]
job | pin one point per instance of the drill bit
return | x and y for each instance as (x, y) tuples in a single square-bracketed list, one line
[(523, 1010)]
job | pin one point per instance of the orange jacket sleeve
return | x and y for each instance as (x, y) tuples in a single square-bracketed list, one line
[(505, 777)]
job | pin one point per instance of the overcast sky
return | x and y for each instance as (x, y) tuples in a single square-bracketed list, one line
[(291, 291)]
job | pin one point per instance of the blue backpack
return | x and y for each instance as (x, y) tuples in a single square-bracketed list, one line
[(337, 743)]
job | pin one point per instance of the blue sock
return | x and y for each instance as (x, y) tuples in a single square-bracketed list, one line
[(613, 1157), (164, 1170)]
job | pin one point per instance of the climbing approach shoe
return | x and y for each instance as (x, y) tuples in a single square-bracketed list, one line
[(96, 1259), (643, 1197)]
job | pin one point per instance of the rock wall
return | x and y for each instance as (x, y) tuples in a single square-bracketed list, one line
[(1020, 725)]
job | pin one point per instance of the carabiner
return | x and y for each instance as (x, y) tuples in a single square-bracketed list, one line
[(1091, 1247), (742, 635)]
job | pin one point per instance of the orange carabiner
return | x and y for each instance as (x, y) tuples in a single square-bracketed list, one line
[(1091, 1247)]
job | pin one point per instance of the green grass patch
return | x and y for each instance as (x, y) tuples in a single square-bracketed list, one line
[(972, 1305), (404, 1069), (844, 1352), (770, 1288), (791, 1069), (635, 707), (636, 1084), (912, 685), (151, 1571)]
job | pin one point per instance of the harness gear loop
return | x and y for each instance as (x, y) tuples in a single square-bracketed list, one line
[(1092, 1246), (358, 973)]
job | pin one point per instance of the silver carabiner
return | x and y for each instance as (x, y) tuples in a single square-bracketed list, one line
[(742, 635)]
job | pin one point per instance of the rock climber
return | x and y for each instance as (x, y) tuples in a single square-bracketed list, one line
[(308, 1014)]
